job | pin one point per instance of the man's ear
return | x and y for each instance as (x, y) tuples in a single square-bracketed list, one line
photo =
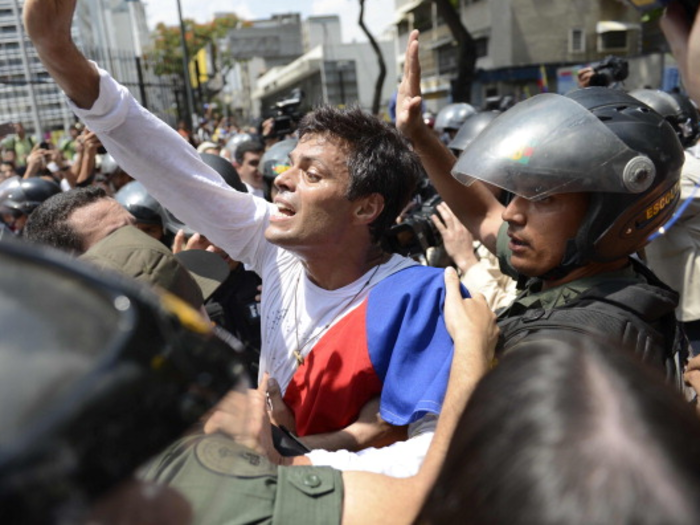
[(369, 208)]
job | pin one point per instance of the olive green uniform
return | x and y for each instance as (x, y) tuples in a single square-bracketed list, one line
[(630, 307), (534, 297), (228, 484)]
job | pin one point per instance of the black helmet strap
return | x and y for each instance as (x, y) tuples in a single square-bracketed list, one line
[(569, 262)]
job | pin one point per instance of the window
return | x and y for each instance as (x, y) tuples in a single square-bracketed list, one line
[(612, 40), (447, 59), (614, 36), (482, 47), (577, 41), (422, 17)]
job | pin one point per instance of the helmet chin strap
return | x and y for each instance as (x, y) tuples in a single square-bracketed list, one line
[(571, 260)]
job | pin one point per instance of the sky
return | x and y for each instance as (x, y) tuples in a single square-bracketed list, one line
[(379, 14)]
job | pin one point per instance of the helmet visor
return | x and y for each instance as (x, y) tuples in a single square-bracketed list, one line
[(545, 145), (10, 187)]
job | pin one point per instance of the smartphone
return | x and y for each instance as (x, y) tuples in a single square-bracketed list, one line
[(7, 128), (649, 6)]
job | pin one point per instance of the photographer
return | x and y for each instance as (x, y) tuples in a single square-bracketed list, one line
[(609, 72), (285, 116)]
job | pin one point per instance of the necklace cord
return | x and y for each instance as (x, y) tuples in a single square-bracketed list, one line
[(314, 337)]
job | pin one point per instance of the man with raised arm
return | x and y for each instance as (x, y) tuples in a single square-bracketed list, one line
[(345, 326), (593, 174)]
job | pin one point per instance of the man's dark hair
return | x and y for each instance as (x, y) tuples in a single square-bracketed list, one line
[(574, 430), (248, 146), (48, 224), (379, 158)]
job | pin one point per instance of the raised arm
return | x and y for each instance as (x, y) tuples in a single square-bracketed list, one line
[(684, 40), (474, 205), (48, 24)]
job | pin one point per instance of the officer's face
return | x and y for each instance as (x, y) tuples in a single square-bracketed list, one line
[(538, 230), (97, 220)]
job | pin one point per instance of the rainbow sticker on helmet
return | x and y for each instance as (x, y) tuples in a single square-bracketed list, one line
[(278, 169), (523, 154)]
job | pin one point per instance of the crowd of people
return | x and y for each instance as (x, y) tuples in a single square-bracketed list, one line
[(543, 376)]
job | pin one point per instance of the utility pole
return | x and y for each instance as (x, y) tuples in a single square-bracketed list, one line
[(186, 71), (138, 51)]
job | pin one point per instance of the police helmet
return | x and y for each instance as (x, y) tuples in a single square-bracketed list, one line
[(224, 168), (83, 408), (136, 199), (108, 166), (24, 195), (276, 159), (677, 108), (235, 141), (471, 129), (452, 116), (594, 140)]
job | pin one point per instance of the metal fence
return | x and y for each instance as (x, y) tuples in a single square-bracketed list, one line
[(29, 95), (162, 94)]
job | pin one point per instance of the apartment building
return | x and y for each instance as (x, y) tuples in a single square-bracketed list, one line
[(521, 44)]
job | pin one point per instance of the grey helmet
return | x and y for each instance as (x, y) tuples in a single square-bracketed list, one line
[(136, 199), (677, 108), (224, 168), (471, 129), (24, 195), (596, 140), (90, 404), (452, 116), (235, 141), (276, 159)]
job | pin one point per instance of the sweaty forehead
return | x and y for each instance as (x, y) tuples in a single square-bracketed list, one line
[(325, 149), (325, 140)]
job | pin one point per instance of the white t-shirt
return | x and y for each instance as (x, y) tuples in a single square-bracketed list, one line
[(172, 172)]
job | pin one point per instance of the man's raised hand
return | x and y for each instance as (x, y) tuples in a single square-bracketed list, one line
[(470, 322), (684, 40), (409, 120)]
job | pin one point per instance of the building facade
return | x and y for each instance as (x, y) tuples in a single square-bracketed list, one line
[(521, 45), (111, 32)]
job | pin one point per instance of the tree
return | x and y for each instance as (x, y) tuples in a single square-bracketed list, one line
[(466, 53), (167, 50), (379, 83)]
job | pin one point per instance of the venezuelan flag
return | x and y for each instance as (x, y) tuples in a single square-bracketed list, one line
[(542, 80)]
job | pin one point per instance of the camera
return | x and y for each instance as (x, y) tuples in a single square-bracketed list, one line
[(610, 69), (416, 233), (286, 113)]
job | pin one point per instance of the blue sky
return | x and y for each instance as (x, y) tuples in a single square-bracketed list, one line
[(378, 13)]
